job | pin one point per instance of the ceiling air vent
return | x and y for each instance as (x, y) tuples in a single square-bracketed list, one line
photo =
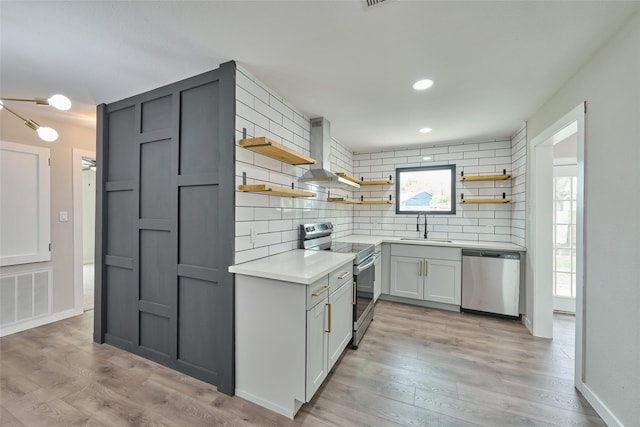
[(368, 4)]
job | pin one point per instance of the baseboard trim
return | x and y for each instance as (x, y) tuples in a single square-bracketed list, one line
[(527, 324), (601, 409), (34, 323), (267, 404)]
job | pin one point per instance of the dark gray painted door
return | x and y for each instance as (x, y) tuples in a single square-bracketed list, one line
[(165, 225)]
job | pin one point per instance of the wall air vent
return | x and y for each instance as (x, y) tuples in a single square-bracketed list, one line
[(368, 4)]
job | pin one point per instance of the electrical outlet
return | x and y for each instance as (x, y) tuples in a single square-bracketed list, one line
[(63, 216)]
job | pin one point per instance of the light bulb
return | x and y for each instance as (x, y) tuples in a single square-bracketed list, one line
[(60, 102), (47, 134), (423, 84)]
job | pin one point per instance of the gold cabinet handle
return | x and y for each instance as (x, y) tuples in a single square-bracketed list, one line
[(345, 274), (420, 268), (354, 293), (329, 323), (425, 266), (316, 294)]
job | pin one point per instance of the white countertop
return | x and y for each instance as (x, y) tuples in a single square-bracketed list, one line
[(465, 244), (305, 267), (297, 266)]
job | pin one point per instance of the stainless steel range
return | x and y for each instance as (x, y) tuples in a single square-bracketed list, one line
[(318, 237)]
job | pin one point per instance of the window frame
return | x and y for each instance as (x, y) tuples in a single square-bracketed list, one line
[(452, 168)]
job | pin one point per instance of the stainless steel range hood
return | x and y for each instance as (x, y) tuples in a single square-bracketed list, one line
[(320, 173)]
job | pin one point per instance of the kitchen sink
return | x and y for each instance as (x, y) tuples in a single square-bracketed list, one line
[(418, 239)]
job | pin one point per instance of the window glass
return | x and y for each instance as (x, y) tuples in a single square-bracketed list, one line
[(428, 189)]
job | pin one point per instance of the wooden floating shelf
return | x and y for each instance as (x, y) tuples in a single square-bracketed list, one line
[(269, 147), (376, 182), (344, 200), (348, 177), (364, 182), (359, 202), (500, 177), (501, 200), (275, 191), (377, 202)]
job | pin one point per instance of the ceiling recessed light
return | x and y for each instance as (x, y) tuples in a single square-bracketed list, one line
[(425, 130), (423, 84)]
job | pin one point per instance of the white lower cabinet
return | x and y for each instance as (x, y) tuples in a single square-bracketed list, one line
[(329, 330), (426, 273), (289, 336), (341, 316), (317, 347)]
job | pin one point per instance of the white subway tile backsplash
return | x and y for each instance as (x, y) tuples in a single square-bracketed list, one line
[(480, 154), (505, 144), (246, 82), (463, 147), (244, 96), (434, 150), (282, 247), (243, 243), (267, 213), (279, 106), (251, 199), (293, 126), (280, 225), (500, 162), (244, 213), (382, 155), (266, 239), (449, 157), (250, 255), (281, 131), (251, 115), (266, 110), (244, 228)]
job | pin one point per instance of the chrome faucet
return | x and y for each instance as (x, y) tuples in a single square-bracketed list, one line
[(425, 223)]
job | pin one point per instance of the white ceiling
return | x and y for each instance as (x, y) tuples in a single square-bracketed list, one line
[(494, 63)]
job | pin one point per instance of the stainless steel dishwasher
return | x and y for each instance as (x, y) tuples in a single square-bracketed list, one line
[(491, 282)]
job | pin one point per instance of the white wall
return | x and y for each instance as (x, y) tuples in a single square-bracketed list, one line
[(488, 222), (518, 181), (610, 84), (13, 130), (275, 219)]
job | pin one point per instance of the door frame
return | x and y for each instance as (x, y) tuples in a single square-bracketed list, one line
[(78, 154), (540, 246)]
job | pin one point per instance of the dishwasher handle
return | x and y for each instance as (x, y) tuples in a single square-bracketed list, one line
[(491, 254)]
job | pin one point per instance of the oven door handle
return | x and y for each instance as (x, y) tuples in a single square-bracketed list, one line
[(362, 267)]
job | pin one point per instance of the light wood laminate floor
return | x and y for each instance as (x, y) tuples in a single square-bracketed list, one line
[(414, 367)]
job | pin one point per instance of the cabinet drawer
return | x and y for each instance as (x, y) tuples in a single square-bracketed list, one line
[(317, 291), (341, 275), (433, 252)]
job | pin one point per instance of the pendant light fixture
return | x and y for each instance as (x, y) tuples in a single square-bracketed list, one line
[(45, 133)]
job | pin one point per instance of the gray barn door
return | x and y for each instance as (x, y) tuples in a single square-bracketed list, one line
[(165, 225)]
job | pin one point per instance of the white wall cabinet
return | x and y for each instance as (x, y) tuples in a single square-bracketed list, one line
[(426, 273), (289, 336)]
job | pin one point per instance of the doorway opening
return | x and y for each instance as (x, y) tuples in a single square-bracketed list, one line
[(556, 229), (84, 215), (88, 230), (565, 198)]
